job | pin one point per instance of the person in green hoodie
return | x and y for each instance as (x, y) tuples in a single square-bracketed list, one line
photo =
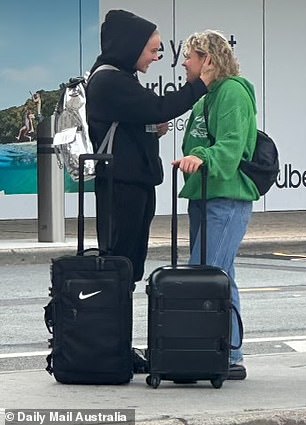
[(232, 125)]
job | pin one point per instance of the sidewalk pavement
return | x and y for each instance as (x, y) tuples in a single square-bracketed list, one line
[(268, 233), (274, 393)]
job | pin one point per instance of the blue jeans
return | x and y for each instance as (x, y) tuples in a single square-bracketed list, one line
[(227, 223)]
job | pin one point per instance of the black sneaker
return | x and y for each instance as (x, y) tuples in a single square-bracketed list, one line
[(237, 372), (140, 363)]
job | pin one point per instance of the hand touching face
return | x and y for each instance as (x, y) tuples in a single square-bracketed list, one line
[(199, 65)]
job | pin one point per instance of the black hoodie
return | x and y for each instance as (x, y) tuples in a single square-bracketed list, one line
[(119, 96)]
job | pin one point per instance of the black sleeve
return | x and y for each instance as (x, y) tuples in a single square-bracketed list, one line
[(120, 97)]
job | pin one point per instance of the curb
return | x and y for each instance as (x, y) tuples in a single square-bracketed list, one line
[(288, 417), (161, 252)]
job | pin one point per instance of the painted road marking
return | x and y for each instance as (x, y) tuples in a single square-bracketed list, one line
[(293, 257), (276, 338), (289, 255), (272, 289), (299, 346), (26, 354)]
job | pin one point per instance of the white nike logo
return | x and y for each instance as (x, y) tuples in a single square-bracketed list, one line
[(85, 296)]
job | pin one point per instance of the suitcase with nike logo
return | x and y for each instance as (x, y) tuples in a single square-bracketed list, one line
[(90, 314), (189, 315)]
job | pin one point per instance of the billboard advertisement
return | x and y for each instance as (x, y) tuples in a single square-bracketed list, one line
[(42, 47)]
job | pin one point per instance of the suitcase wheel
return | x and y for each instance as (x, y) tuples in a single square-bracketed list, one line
[(153, 381), (217, 382)]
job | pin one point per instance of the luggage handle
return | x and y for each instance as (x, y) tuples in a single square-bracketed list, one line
[(108, 161), (240, 326), (174, 252), (48, 317)]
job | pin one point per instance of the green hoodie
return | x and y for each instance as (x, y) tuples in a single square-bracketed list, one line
[(232, 122)]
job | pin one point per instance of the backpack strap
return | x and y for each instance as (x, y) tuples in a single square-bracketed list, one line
[(102, 68), (205, 113), (108, 140)]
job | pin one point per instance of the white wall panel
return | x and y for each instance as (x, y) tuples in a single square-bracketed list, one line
[(286, 99), (18, 206)]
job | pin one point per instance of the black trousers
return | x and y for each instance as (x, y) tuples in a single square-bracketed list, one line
[(133, 209)]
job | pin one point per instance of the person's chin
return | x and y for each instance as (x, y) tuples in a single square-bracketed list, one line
[(144, 70), (191, 78)]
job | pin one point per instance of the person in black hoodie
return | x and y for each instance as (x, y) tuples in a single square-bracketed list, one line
[(131, 43)]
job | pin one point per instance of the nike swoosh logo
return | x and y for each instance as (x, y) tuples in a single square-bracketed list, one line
[(85, 296)]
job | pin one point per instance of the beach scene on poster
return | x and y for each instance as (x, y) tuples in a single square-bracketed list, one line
[(18, 154), (33, 67)]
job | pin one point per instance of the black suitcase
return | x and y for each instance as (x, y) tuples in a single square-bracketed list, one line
[(90, 314), (189, 316)]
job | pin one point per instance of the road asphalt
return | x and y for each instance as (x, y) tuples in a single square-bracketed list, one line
[(273, 393)]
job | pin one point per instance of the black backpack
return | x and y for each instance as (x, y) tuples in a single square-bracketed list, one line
[(263, 169)]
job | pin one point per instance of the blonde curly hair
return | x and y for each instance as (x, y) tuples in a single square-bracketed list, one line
[(214, 43)]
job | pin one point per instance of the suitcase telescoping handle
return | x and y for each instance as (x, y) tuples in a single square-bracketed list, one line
[(108, 162), (203, 229)]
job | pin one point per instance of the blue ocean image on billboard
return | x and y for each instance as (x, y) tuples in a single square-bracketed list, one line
[(18, 170), (32, 61)]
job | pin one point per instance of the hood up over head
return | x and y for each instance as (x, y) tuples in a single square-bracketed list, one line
[(123, 38)]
